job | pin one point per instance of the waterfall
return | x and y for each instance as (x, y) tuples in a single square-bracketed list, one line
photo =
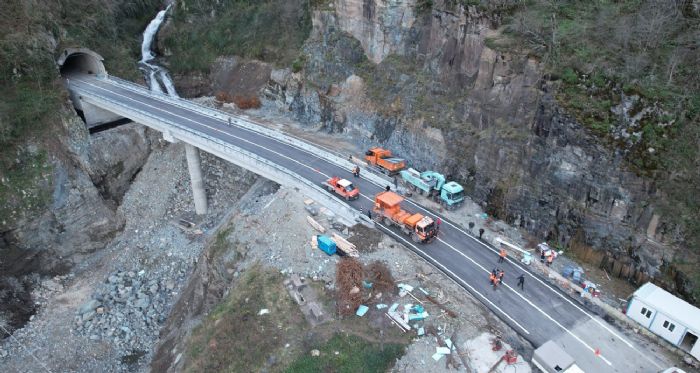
[(149, 34), (168, 83), (153, 82), (153, 72)]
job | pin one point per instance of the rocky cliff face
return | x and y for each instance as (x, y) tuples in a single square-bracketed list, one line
[(425, 84), (89, 176)]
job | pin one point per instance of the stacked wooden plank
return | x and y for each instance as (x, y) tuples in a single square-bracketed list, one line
[(345, 246)]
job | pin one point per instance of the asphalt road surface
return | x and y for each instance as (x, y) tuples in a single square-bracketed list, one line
[(539, 313)]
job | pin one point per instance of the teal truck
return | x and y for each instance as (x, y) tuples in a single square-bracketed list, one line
[(449, 194)]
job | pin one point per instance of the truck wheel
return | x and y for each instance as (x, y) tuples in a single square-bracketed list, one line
[(329, 188), (415, 238), (347, 198)]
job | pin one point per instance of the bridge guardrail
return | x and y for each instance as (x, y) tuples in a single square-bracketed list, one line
[(319, 150), (321, 193)]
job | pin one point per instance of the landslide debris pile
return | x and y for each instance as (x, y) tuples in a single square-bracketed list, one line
[(130, 308)]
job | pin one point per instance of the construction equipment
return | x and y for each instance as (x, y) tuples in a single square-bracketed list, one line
[(382, 159), (450, 194), (387, 206), (342, 187)]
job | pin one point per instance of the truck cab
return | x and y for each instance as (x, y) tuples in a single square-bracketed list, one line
[(452, 195), (426, 229), (343, 187)]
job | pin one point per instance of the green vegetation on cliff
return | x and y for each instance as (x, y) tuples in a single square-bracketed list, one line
[(269, 30), (640, 53), (31, 36)]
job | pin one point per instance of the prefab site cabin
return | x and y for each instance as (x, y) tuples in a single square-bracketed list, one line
[(668, 316)]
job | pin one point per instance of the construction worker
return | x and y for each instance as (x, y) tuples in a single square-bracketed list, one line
[(502, 256), (542, 257), (387, 188), (550, 258), (501, 273), (356, 171), (396, 183), (492, 277), (481, 232), (369, 214), (229, 121), (438, 221), (495, 281), (521, 282)]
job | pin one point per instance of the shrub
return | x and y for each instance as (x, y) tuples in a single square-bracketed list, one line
[(247, 102)]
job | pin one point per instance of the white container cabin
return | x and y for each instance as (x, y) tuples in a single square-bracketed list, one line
[(667, 316)]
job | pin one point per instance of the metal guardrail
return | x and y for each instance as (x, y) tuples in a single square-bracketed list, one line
[(227, 147), (315, 149)]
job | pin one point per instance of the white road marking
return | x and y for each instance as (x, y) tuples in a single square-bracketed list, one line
[(530, 303), (464, 283), (401, 238), (209, 127), (565, 298)]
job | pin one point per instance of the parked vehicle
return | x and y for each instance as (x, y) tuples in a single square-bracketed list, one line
[(387, 207), (431, 183), (382, 159), (342, 187)]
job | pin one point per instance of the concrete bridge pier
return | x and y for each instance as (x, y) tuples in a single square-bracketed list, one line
[(194, 165)]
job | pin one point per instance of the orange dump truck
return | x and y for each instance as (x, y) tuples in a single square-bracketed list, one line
[(382, 158), (387, 207)]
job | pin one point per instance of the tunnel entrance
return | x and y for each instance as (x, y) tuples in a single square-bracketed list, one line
[(80, 61), (77, 62)]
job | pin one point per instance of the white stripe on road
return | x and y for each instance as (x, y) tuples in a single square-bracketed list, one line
[(459, 279), (309, 167), (565, 298), (401, 238), (530, 303), (209, 127)]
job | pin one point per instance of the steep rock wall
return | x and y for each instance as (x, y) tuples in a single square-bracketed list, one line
[(430, 88)]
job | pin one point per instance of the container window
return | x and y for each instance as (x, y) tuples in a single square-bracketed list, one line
[(666, 324), (644, 310), (671, 327)]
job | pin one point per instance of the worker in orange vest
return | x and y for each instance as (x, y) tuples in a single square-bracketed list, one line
[(492, 277), (502, 255), (550, 258)]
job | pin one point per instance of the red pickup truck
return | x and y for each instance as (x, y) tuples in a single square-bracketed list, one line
[(342, 187)]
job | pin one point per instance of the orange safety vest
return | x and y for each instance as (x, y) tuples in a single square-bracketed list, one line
[(503, 253), (492, 277), (550, 258)]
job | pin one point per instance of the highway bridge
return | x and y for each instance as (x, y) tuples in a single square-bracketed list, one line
[(539, 313)]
